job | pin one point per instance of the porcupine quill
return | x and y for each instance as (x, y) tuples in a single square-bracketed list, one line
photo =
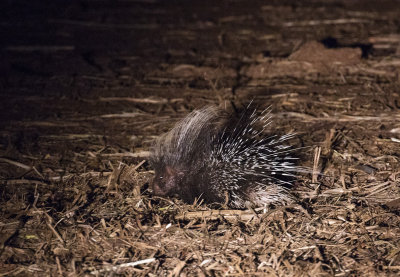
[(219, 157)]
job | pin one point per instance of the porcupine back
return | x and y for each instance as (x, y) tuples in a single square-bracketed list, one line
[(220, 157)]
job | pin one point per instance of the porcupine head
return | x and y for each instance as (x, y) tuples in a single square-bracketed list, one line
[(179, 157), (217, 156)]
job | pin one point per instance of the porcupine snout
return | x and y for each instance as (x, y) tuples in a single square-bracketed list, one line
[(166, 181)]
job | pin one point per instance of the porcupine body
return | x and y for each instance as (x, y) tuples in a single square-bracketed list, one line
[(219, 157)]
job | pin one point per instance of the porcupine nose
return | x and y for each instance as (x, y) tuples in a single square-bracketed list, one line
[(156, 188)]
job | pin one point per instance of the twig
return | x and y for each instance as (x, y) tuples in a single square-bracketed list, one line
[(120, 115), (73, 136), (90, 174), (317, 155), (54, 231), (59, 266), (14, 272), (139, 100), (379, 188), (324, 22), (21, 165), (392, 267), (48, 223), (116, 267), (141, 154), (139, 165), (214, 214), (24, 181)]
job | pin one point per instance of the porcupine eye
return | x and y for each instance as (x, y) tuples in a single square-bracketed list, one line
[(166, 181)]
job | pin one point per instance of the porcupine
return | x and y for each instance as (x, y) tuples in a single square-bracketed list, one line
[(218, 157)]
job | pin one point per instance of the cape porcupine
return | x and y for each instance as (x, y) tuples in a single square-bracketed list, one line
[(219, 157)]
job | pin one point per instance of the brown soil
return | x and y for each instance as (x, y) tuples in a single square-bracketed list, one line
[(87, 85)]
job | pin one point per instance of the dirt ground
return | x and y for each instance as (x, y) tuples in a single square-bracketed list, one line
[(87, 85)]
